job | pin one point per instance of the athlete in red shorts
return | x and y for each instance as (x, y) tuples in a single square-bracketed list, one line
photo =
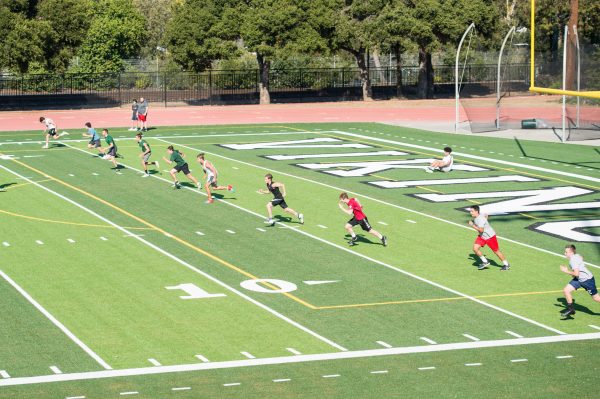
[(487, 236)]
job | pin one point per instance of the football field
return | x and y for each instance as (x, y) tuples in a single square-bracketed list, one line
[(114, 284)]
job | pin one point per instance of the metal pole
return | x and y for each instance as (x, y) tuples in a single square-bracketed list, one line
[(564, 83), (578, 71), (456, 94), (532, 46), (510, 32)]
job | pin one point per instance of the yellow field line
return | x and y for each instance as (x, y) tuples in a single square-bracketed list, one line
[(456, 298), (154, 227), (65, 222)]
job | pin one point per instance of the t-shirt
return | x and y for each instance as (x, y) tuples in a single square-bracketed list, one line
[(143, 107), (356, 209), (110, 140), (177, 158), (93, 133), (141, 144), (448, 160), (134, 107), (576, 262), (207, 170), (482, 222), (49, 123)]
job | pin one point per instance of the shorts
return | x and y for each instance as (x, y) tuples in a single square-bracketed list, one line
[(183, 168), (141, 117), (95, 143), (134, 116), (280, 202), (52, 132), (112, 151), (147, 156), (211, 180), (588, 285), (491, 242), (364, 223)]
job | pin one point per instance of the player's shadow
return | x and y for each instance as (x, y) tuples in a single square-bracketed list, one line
[(56, 145), (578, 308), (6, 185), (187, 184), (362, 239), (477, 261), (280, 218)]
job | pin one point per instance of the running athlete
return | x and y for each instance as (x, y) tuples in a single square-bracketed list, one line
[(110, 153), (352, 207), (276, 189), (180, 166), (487, 236), (145, 155), (582, 278), (93, 135), (211, 174), (50, 130), (444, 164)]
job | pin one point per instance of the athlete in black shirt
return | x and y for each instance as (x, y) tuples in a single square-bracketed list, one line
[(278, 199)]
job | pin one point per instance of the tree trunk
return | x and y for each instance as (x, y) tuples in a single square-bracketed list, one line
[(571, 43), (264, 67), (425, 84), (364, 75), (398, 54)]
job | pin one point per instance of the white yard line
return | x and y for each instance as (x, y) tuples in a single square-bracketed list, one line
[(187, 265), (55, 321), (300, 359)]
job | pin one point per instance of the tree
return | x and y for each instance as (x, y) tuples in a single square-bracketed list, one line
[(116, 33), (202, 31), (69, 21), (158, 15)]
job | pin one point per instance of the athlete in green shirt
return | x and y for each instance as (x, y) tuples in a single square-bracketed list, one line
[(145, 154), (180, 166), (110, 153)]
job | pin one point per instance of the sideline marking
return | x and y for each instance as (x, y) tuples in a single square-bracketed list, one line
[(55, 321), (298, 359), (173, 257), (429, 341)]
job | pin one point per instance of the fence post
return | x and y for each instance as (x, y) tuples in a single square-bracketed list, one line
[(119, 88), (165, 87), (210, 87)]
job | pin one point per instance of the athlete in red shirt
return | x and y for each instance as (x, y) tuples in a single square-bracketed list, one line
[(352, 207)]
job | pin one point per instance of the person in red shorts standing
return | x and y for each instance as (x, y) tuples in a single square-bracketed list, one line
[(143, 113), (352, 207), (487, 236)]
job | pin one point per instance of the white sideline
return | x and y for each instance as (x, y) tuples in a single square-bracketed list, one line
[(55, 321), (372, 259), (187, 265), (354, 193), (298, 359)]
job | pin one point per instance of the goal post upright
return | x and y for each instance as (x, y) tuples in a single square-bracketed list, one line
[(499, 77), (456, 85)]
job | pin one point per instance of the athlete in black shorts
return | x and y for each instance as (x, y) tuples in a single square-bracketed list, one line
[(278, 199)]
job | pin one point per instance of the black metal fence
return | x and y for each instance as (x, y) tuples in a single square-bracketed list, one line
[(228, 86)]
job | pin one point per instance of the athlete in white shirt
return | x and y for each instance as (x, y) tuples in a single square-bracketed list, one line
[(444, 164), (211, 178), (50, 130), (582, 278)]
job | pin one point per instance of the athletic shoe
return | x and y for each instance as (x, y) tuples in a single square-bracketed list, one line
[(352, 241), (505, 268), (199, 186), (567, 312), (176, 186), (210, 201), (63, 134), (146, 175), (429, 169), (270, 221), (484, 266), (384, 241), (230, 188), (156, 164), (45, 147), (301, 217), (106, 156)]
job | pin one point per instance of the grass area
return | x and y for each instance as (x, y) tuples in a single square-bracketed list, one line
[(144, 274)]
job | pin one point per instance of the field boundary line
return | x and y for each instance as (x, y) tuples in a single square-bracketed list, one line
[(169, 255), (367, 197), (55, 321), (299, 359), (414, 276)]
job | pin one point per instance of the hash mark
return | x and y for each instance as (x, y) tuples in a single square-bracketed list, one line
[(321, 226), (384, 344), (472, 338), (39, 242), (379, 372), (200, 233), (202, 358), (232, 384), (71, 240), (514, 334), (55, 370), (518, 360), (426, 368), (104, 238), (331, 376), (6, 244), (429, 341), (248, 355), (181, 389), (411, 221), (472, 364), (259, 229), (564, 357), (294, 351), (155, 362), (4, 374), (595, 327), (129, 393), (230, 231), (282, 380)]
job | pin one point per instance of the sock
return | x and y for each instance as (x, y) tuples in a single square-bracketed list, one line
[(353, 235), (505, 262), (484, 259)]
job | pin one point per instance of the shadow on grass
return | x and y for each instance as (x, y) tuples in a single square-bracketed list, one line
[(562, 303), (477, 261), (589, 164)]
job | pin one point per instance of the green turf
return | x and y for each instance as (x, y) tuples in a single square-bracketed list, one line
[(111, 293)]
